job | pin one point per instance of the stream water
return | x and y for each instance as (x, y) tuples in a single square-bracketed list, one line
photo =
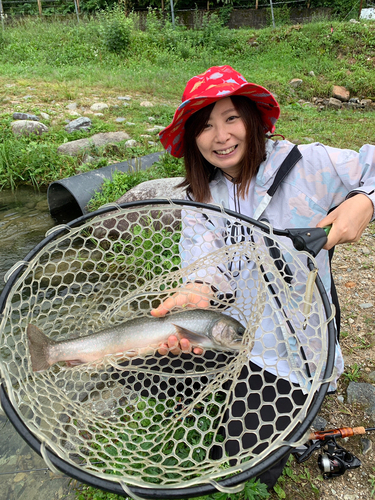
[(24, 220)]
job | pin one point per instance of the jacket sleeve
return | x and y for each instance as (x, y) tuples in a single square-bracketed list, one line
[(355, 171)]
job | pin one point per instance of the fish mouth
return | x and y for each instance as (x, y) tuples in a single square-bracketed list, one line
[(224, 152)]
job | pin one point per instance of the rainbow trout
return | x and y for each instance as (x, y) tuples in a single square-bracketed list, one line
[(206, 329)]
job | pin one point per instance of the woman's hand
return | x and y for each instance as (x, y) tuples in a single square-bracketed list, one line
[(189, 296), (348, 220)]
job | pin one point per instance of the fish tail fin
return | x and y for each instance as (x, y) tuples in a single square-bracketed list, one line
[(38, 348)]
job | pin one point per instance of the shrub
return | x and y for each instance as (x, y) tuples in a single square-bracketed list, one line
[(115, 30)]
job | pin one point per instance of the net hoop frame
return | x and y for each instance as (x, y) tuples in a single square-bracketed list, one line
[(155, 492)]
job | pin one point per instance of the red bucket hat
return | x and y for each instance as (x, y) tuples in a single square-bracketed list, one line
[(214, 84)]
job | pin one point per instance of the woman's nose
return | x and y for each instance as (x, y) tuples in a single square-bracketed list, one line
[(222, 134)]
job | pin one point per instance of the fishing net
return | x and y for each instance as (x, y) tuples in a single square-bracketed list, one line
[(167, 423)]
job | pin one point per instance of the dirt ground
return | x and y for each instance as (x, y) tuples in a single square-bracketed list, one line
[(353, 269)]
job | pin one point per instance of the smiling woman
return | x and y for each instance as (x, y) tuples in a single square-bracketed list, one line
[(220, 128)]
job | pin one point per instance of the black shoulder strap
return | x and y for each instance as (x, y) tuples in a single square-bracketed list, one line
[(290, 160)]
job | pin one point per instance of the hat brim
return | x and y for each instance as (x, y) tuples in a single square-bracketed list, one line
[(172, 137)]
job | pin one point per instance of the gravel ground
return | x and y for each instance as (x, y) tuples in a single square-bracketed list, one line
[(353, 269)]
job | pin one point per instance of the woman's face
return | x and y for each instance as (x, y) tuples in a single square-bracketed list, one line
[(223, 140)]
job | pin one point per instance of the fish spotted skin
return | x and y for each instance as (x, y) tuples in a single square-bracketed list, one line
[(140, 336)]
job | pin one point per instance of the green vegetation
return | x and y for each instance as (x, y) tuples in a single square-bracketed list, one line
[(121, 182), (107, 56), (291, 475), (339, 8), (253, 490)]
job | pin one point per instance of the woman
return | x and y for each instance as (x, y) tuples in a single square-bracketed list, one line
[(220, 128)]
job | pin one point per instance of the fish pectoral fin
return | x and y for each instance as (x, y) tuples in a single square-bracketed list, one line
[(74, 362), (194, 338)]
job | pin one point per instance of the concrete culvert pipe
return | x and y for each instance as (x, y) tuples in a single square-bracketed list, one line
[(68, 198)]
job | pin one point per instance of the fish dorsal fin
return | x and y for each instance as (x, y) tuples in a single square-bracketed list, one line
[(194, 338)]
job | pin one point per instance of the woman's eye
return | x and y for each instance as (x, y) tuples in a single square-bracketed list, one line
[(232, 118)]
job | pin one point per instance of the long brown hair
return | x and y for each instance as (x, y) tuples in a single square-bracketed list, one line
[(199, 172)]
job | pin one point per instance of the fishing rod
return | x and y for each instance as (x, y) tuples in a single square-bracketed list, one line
[(333, 460)]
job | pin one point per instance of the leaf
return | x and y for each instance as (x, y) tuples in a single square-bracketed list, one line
[(315, 489), (279, 491)]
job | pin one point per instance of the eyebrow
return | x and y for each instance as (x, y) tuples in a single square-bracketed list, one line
[(230, 110), (227, 111)]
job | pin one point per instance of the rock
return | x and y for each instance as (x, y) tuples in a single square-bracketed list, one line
[(366, 251), (354, 21), (366, 103), (124, 98), (319, 423), (131, 143), (311, 73), (73, 148), (72, 106), (372, 376), (151, 119), (146, 104), (155, 130), (364, 394), (129, 123), (19, 477), (82, 123), (366, 445), (120, 120), (366, 305), (88, 158), (154, 189), (45, 116), (334, 103), (340, 93), (99, 106), (295, 82), (27, 97), (25, 116), (28, 127)]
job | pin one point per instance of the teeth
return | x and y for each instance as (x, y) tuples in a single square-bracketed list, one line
[(226, 151)]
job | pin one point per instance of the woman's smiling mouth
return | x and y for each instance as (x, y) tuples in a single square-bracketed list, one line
[(226, 151)]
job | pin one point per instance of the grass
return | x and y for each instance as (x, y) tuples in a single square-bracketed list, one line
[(61, 62)]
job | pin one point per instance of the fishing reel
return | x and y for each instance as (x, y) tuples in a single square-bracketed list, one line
[(333, 460)]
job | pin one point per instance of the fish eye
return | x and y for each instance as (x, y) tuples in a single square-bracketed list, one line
[(241, 330)]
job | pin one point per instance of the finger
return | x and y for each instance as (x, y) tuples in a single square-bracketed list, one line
[(163, 349), (198, 351), (185, 345), (173, 344), (164, 307)]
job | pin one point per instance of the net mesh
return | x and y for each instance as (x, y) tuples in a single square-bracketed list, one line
[(168, 420)]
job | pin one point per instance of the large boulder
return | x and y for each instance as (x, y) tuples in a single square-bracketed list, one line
[(73, 148), (28, 127), (120, 226), (155, 189)]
